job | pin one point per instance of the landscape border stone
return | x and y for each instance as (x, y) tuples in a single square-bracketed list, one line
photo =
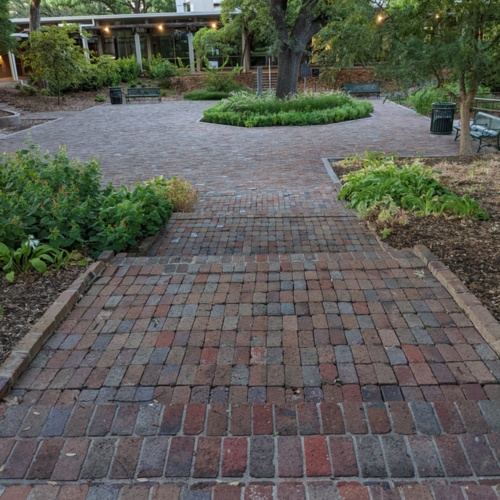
[(13, 118), (482, 319), (20, 357)]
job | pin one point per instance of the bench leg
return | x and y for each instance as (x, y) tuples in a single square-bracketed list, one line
[(457, 135)]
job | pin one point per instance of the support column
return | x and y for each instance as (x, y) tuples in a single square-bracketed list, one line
[(191, 52), (138, 53), (100, 49), (149, 45), (13, 67)]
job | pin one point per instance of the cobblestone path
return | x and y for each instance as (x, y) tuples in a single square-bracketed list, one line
[(267, 347)]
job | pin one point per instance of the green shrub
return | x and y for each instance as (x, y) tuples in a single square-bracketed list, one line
[(161, 70), (60, 202), (381, 188), (205, 95), (245, 109), (218, 80), (422, 100), (27, 90), (127, 67), (100, 98)]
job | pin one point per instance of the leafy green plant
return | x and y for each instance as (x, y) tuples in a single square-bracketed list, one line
[(60, 202), (179, 192), (161, 70), (30, 255), (54, 57), (422, 100), (381, 188), (100, 98), (27, 90), (219, 80), (128, 68), (245, 109)]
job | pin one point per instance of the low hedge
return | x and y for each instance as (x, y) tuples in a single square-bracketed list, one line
[(245, 109)]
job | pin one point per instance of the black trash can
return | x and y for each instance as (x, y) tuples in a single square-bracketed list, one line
[(442, 118), (115, 95)]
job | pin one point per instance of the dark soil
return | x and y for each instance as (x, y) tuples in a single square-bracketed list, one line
[(24, 125), (470, 248), (23, 302), (72, 101)]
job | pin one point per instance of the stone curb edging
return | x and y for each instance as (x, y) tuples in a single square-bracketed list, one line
[(482, 319), (20, 357)]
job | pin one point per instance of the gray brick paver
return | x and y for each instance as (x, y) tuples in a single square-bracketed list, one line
[(269, 260)]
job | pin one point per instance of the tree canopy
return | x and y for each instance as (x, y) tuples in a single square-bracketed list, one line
[(53, 56), (287, 25), (7, 42), (54, 8), (447, 40)]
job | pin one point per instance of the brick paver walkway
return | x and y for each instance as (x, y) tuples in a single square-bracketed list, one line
[(267, 347)]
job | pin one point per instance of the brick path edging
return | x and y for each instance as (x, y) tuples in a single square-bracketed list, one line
[(482, 319), (20, 357)]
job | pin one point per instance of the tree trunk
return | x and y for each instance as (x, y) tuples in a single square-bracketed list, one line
[(35, 15), (465, 140), (246, 43), (288, 72), (466, 98)]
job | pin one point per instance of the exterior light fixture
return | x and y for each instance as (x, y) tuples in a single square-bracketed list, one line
[(437, 16), (160, 27), (106, 29), (380, 18), (214, 26)]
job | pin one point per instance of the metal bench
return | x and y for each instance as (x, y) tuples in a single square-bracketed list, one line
[(483, 127), (361, 88), (140, 92)]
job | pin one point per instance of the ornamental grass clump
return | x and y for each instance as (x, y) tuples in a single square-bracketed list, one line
[(245, 109), (59, 202), (177, 191), (382, 189)]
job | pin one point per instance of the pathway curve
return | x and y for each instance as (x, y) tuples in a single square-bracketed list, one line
[(267, 347)]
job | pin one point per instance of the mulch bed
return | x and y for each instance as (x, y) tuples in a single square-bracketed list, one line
[(470, 248), (24, 125), (23, 302), (72, 101)]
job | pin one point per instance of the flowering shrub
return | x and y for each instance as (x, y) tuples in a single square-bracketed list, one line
[(61, 203)]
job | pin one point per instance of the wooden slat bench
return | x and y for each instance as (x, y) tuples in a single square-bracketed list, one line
[(484, 127), (140, 92), (361, 88)]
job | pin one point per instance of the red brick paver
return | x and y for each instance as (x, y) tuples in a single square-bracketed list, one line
[(267, 347)]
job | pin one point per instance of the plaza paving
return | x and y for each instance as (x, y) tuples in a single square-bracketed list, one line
[(267, 347)]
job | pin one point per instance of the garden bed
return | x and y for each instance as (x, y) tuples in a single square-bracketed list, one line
[(23, 302), (470, 248)]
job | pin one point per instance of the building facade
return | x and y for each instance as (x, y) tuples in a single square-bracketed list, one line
[(124, 35)]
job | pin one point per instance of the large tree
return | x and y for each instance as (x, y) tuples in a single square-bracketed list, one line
[(35, 15), (450, 40), (294, 23)]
